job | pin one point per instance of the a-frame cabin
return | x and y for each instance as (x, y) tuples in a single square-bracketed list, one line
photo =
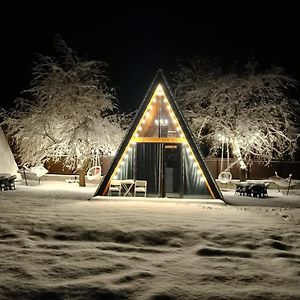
[(159, 147)]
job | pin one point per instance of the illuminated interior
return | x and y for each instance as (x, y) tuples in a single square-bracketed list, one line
[(159, 152), (158, 119)]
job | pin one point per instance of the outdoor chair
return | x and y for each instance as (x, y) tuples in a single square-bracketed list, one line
[(242, 189), (115, 186), (140, 187), (10, 182), (265, 190), (7, 182), (2, 183), (238, 189)]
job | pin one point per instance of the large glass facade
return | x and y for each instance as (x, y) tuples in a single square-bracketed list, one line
[(170, 170)]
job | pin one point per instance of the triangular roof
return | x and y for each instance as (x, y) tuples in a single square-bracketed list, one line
[(8, 164), (160, 83)]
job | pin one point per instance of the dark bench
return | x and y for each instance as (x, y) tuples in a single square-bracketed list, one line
[(2, 183), (7, 182)]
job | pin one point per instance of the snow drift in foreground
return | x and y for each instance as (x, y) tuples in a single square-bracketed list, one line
[(54, 248)]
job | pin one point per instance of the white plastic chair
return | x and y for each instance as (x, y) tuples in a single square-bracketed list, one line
[(115, 186), (140, 187), (93, 173), (225, 177)]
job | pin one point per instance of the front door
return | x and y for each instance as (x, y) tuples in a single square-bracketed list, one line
[(161, 165), (147, 166), (172, 171)]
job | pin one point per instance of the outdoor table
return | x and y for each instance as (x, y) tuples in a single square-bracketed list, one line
[(259, 189), (127, 185), (250, 188)]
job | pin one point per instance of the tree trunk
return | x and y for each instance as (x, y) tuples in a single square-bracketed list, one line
[(82, 170), (243, 174), (81, 177), (237, 154)]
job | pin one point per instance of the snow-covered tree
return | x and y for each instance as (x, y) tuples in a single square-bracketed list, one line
[(69, 111), (254, 111)]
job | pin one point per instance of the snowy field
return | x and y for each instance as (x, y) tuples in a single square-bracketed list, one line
[(54, 244)]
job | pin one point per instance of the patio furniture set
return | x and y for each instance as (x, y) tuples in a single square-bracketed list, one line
[(252, 189), (127, 188)]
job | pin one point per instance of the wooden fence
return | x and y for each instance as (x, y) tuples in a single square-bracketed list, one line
[(256, 170)]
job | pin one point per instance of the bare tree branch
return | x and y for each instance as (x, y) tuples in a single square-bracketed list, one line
[(68, 110), (254, 110)]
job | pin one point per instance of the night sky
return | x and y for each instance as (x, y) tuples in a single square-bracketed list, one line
[(137, 40)]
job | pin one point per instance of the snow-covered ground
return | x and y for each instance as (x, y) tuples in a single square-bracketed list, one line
[(54, 244)]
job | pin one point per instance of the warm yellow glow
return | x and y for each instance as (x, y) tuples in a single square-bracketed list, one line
[(165, 140), (135, 138), (159, 91)]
